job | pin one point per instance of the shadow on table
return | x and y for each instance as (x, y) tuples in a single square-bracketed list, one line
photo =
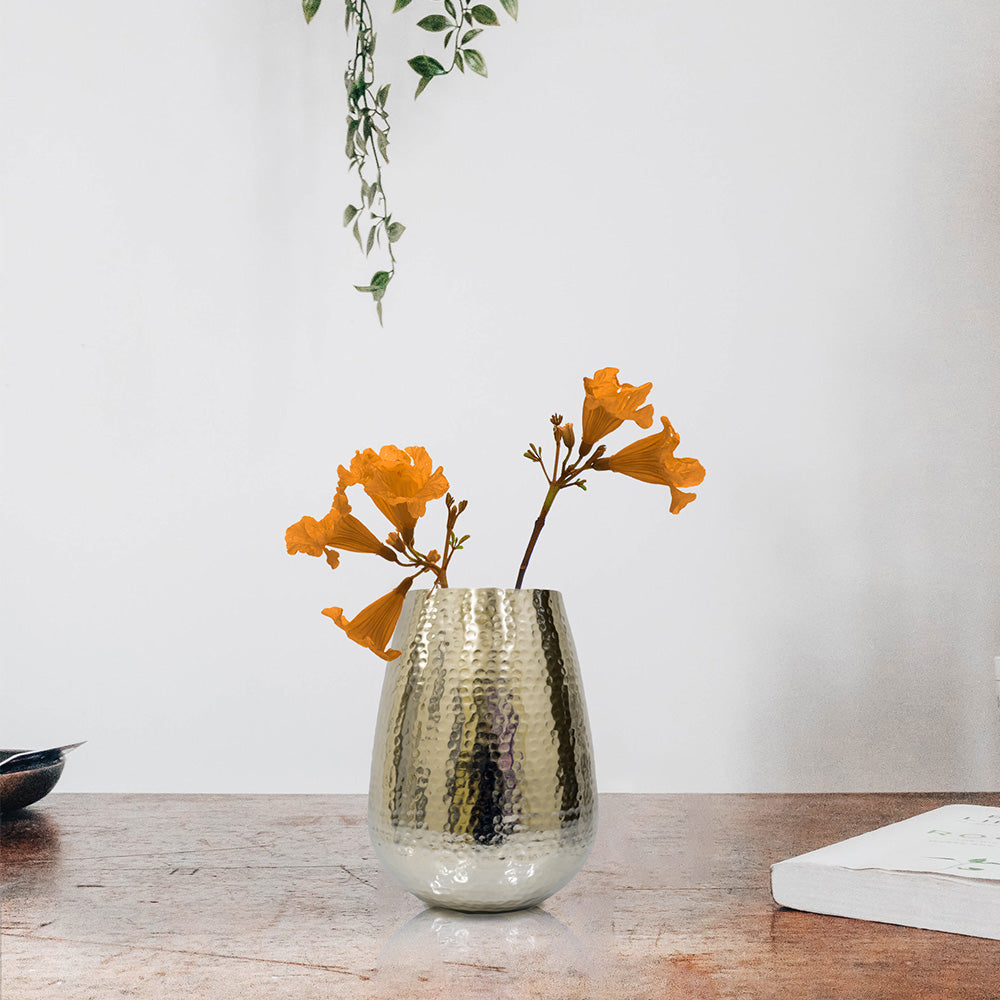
[(29, 845), (441, 953), (28, 835)]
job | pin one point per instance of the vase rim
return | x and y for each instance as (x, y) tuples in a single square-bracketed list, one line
[(506, 590)]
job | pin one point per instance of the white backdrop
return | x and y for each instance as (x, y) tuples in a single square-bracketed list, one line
[(784, 214)]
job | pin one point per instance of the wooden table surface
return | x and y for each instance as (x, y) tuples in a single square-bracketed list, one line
[(280, 896)]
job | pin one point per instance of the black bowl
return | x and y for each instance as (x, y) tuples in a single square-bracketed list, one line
[(22, 787)]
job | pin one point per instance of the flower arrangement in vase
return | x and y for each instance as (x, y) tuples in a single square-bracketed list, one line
[(482, 793)]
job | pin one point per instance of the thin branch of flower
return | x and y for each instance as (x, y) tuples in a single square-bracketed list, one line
[(607, 405)]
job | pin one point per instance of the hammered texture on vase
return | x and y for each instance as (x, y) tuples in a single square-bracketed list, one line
[(482, 791)]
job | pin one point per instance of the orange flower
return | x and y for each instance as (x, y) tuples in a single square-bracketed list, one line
[(373, 626), (651, 459), (608, 404), (340, 529), (399, 482)]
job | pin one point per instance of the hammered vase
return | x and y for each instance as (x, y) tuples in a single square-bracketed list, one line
[(482, 793)]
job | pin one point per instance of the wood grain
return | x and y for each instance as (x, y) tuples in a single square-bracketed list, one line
[(176, 896)]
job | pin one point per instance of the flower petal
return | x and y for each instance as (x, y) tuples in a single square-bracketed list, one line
[(305, 536), (679, 500)]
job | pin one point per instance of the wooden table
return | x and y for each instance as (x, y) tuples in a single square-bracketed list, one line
[(272, 896)]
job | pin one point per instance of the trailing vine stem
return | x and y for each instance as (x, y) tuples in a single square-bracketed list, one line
[(367, 139), (461, 25), (368, 143)]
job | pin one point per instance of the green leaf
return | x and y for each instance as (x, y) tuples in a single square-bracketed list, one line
[(352, 131), (357, 235), (424, 80), (400, 4), (450, 7), (395, 230), (426, 66), (382, 94), (484, 15), (379, 283), (378, 309), (309, 8), (383, 144), (470, 34), (447, 38), (435, 22), (357, 91), (349, 214), (511, 7), (476, 61), (371, 241), (459, 61)]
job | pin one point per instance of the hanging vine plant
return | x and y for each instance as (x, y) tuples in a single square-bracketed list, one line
[(367, 144)]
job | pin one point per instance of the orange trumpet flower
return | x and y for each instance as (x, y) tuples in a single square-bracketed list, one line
[(609, 403), (340, 529), (399, 482), (651, 459), (373, 626)]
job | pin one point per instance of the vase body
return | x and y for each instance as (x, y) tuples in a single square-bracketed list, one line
[(482, 794)]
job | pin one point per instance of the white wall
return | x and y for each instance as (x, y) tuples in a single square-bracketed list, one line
[(785, 214)]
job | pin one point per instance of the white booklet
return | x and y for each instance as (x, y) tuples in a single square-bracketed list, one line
[(939, 870)]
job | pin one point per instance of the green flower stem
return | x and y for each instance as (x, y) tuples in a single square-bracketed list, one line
[(418, 559), (451, 543), (568, 476), (539, 524)]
